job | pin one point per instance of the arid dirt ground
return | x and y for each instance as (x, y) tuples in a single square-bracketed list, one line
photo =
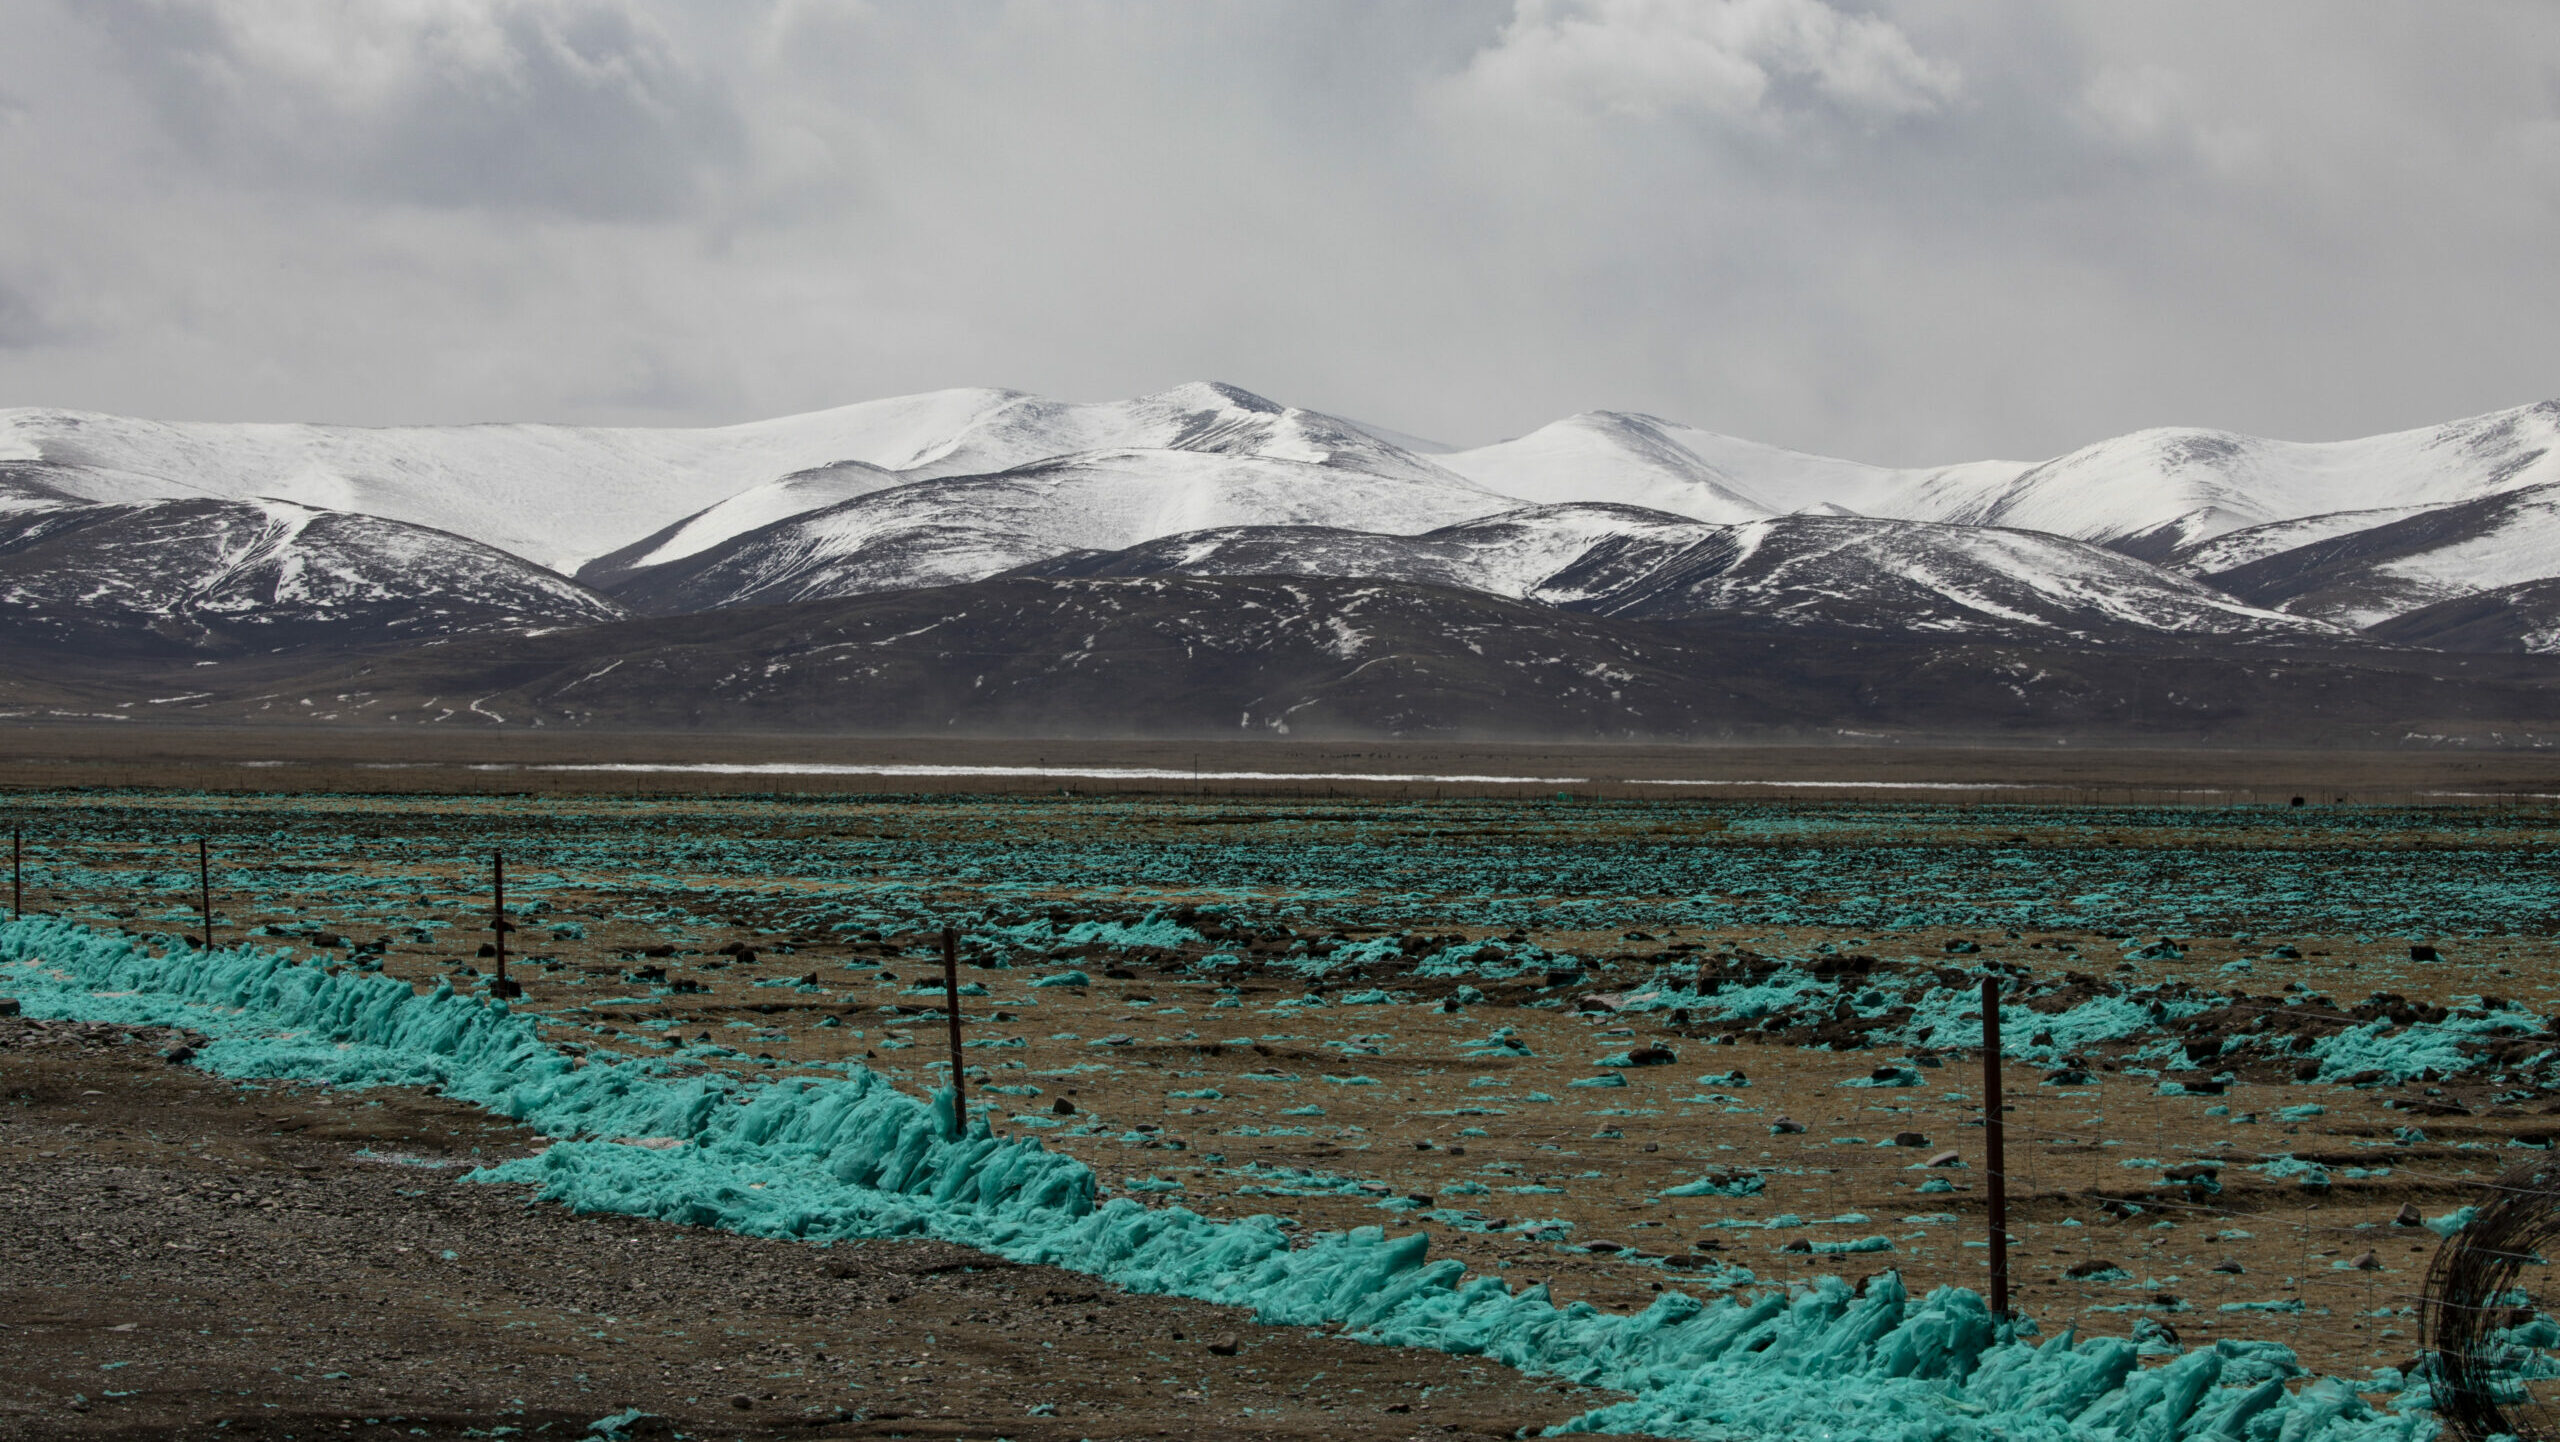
[(278, 1255), (189, 1257)]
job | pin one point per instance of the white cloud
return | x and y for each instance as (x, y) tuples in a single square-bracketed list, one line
[(1722, 58)]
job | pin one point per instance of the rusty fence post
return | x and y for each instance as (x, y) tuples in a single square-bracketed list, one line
[(204, 890), (499, 985), (1994, 1135), (951, 1002)]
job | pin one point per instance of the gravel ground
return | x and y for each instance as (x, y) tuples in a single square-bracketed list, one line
[(194, 1257)]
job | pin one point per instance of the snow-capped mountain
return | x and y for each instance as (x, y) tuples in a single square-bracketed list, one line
[(1842, 573), (273, 535), (965, 528), (218, 576)]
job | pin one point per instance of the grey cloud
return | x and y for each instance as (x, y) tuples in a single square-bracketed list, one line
[(584, 107), (1913, 231), (1648, 57), (22, 323)]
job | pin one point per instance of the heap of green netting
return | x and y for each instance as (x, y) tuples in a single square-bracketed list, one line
[(836, 1159)]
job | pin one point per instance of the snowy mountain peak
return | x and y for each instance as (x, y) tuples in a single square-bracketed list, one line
[(1609, 456), (1210, 395)]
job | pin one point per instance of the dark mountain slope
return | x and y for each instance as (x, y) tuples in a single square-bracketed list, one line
[(1259, 656), (213, 577), (2519, 620)]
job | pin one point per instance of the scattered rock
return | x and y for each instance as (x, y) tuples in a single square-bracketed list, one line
[(2367, 1261), (2095, 1266), (1785, 1126), (1224, 1347), (741, 1401), (1910, 1139), (1947, 1158), (2407, 1216)]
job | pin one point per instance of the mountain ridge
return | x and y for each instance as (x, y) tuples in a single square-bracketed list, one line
[(1655, 548)]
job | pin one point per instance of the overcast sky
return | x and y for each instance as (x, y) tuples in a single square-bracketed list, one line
[(1905, 232)]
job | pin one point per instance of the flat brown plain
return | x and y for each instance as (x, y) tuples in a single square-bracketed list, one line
[(1227, 1092)]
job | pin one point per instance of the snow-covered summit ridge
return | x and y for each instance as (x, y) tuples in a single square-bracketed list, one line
[(622, 501), (564, 495), (2150, 492)]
